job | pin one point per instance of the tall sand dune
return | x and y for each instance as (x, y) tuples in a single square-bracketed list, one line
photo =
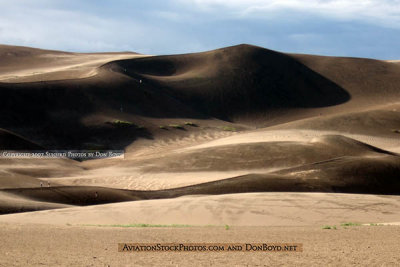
[(233, 120)]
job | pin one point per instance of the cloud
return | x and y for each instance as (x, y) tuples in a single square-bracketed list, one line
[(55, 27), (336, 27), (381, 12), (104, 26)]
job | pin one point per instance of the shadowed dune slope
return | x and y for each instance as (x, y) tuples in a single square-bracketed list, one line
[(368, 81), (262, 86), (10, 203), (357, 168), (383, 121), (10, 141), (261, 155), (225, 83), (237, 80), (12, 180), (75, 195), (345, 175)]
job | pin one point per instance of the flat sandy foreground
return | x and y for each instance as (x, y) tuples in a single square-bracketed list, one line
[(84, 236), (48, 245)]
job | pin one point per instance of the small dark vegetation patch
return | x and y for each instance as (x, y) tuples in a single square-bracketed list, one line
[(189, 123), (229, 129), (177, 126), (124, 124)]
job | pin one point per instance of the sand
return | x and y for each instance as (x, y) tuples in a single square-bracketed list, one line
[(38, 245), (54, 65), (248, 209), (274, 147), (81, 236)]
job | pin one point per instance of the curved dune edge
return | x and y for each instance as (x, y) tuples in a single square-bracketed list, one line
[(10, 203), (248, 209), (298, 135), (359, 168), (64, 67), (12, 141)]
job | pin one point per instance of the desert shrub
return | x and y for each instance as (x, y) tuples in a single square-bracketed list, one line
[(350, 224), (124, 124), (327, 227), (229, 129), (189, 123), (176, 126)]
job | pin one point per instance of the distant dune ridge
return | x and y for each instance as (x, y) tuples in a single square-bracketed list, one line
[(233, 120)]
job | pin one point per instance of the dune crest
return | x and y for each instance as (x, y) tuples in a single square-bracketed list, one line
[(235, 120)]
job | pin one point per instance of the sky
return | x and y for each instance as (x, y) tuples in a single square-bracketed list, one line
[(357, 28)]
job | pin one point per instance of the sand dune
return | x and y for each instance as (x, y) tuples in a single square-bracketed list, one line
[(11, 180), (233, 120), (10, 203), (74, 195), (10, 141), (271, 154), (23, 64), (276, 145), (29, 172), (298, 135), (213, 81), (370, 82), (255, 209), (327, 164), (249, 85)]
